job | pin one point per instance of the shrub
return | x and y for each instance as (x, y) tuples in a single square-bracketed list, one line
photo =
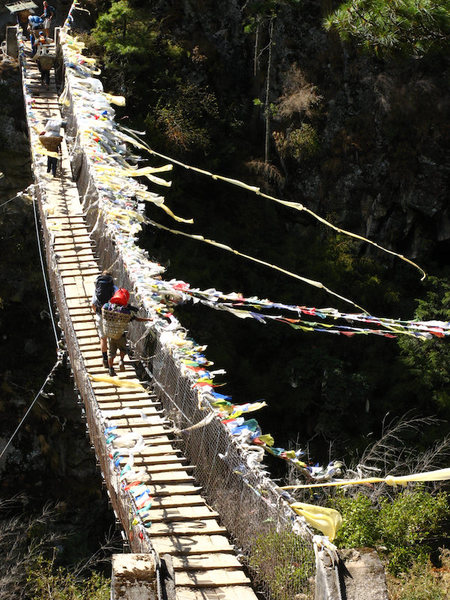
[(302, 143), (424, 582), (407, 528), (46, 581), (409, 525), (283, 562), (359, 521)]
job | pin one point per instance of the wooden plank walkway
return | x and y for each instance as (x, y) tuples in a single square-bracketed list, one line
[(183, 525)]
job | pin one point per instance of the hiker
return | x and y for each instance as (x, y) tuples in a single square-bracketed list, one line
[(51, 139), (34, 25), (47, 15), (118, 305), (44, 59), (104, 289)]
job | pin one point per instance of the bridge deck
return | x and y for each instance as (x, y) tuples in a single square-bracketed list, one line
[(182, 524)]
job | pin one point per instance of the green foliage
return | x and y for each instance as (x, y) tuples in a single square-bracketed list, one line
[(409, 523), (258, 10), (181, 117), (411, 26), (430, 360), (283, 562), (303, 143), (407, 527), (120, 31), (45, 581), (424, 582), (134, 51), (360, 521)]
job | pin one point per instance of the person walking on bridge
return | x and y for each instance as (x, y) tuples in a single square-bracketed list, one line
[(44, 59), (104, 289), (51, 139), (47, 16), (118, 306), (34, 25)]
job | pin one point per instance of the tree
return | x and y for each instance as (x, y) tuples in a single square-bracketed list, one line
[(415, 27), (430, 359)]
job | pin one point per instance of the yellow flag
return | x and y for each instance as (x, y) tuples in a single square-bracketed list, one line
[(326, 520), (117, 382)]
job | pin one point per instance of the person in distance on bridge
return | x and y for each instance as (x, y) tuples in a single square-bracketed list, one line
[(119, 304), (34, 25), (44, 59), (47, 16), (104, 289), (51, 139)]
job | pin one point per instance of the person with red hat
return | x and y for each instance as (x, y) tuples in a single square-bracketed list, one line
[(118, 303)]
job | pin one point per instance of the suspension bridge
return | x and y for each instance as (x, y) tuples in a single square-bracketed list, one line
[(197, 508)]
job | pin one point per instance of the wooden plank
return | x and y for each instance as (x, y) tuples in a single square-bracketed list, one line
[(71, 238), (75, 261), (219, 593), (150, 441), (79, 298), (146, 432), (152, 419), (182, 513), (86, 326), (69, 253), (148, 407), (198, 562), (211, 578), (171, 477), (70, 218), (171, 490), (165, 467), (184, 544), (89, 335), (86, 273), (87, 316), (159, 450), (121, 377), (139, 422), (167, 460), (123, 394), (185, 528), (177, 500), (77, 228), (125, 391)]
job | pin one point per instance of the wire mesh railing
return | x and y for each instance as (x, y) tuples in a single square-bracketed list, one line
[(274, 543)]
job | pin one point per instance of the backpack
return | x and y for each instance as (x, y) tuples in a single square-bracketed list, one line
[(35, 21), (46, 61), (50, 12), (104, 289)]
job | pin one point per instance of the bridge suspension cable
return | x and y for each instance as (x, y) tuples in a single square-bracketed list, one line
[(44, 277), (256, 190), (48, 379), (200, 238)]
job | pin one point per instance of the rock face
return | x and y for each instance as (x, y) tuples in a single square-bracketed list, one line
[(359, 138), (364, 575), (14, 148)]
